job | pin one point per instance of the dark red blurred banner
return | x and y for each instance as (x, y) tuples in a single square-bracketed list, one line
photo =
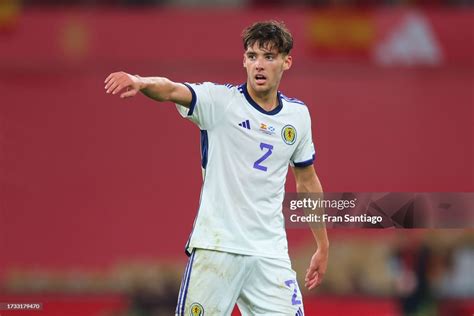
[(385, 36), (390, 37)]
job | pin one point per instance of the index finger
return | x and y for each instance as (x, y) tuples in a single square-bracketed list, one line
[(108, 78), (311, 272), (311, 283)]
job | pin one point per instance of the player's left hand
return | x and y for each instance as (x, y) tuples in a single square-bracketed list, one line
[(317, 269)]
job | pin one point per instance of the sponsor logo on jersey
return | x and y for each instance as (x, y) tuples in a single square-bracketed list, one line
[(288, 133), (245, 124), (267, 129), (196, 310)]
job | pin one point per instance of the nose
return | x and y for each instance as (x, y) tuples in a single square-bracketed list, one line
[(258, 64)]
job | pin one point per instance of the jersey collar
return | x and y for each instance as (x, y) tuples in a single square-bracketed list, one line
[(258, 107)]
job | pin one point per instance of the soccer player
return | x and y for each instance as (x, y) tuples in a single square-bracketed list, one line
[(238, 251)]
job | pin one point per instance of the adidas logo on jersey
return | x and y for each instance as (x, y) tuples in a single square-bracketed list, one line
[(245, 124)]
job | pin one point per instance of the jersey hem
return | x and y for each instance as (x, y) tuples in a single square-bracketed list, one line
[(237, 251), (193, 99), (303, 164)]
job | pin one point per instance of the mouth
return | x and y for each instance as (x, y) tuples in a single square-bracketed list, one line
[(260, 79)]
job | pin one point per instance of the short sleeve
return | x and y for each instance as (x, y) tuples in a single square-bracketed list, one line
[(208, 105), (304, 154)]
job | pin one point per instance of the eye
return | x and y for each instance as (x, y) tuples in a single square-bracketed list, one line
[(269, 57), (251, 57)]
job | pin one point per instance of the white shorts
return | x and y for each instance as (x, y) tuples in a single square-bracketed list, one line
[(215, 281)]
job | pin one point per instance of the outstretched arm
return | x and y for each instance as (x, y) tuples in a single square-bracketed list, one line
[(156, 88), (307, 182)]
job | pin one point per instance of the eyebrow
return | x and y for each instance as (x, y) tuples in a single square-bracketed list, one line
[(265, 53)]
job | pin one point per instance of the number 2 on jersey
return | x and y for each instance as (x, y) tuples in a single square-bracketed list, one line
[(293, 285), (257, 164)]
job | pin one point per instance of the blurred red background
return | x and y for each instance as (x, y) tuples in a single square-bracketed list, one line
[(90, 181)]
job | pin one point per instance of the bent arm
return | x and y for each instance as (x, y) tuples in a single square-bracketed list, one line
[(156, 88)]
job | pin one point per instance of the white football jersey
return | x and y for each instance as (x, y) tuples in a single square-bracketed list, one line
[(245, 156)]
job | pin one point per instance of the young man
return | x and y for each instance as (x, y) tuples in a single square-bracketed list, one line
[(249, 135)]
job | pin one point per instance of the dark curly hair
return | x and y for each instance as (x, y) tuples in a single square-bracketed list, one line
[(268, 35)]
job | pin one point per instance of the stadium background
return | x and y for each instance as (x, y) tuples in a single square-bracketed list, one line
[(98, 194)]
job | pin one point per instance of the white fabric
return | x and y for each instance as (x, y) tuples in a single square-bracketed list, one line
[(216, 280), (241, 200)]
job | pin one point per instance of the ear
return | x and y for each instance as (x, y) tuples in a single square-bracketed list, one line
[(243, 62), (287, 62)]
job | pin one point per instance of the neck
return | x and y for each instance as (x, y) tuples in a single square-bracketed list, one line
[(267, 100)]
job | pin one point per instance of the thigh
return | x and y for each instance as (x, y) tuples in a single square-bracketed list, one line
[(211, 283), (271, 289)]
